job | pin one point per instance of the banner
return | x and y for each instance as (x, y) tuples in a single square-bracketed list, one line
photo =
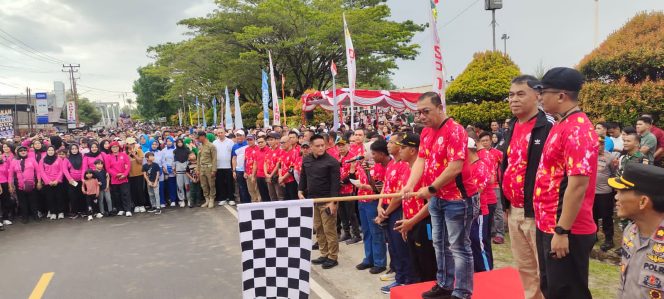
[(41, 108), (198, 114), (438, 66), (214, 109), (275, 238), (71, 115), (6, 124), (191, 118), (266, 99), (350, 65), (275, 98), (227, 114), (238, 112), (333, 69), (204, 118)]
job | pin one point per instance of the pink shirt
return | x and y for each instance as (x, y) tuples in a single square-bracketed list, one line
[(4, 167), (22, 175), (118, 164), (53, 172)]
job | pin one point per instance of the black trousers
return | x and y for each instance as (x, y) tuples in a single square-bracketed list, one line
[(136, 187), (225, 184), (565, 278), (348, 217), (28, 203), (76, 199), (55, 198), (121, 194), (262, 189), (603, 209), (422, 254), (290, 191), (7, 204)]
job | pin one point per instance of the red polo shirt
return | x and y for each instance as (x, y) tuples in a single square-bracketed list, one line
[(412, 205), (393, 182), (287, 160), (250, 158), (260, 155), (439, 147), (272, 158), (345, 172), (492, 158), (481, 176), (377, 172), (570, 150), (517, 162)]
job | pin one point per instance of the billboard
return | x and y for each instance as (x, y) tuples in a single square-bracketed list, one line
[(6, 124), (41, 108), (71, 115)]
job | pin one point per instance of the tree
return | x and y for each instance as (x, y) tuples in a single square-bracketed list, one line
[(486, 78), (635, 52), (87, 112), (151, 91)]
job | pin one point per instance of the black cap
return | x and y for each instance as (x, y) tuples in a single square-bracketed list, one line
[(274, 135), (562, 78), (409, 139), (641, 177), (201, 134)]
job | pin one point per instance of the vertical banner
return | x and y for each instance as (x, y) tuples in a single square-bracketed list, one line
[(333, 69), (191, 118), (180, 116), (198, 114), (71, 115), (6, 124), (41, 108), (214, 110), (204, 118), (350, 65), (275, 98), (227, 115), (266, 99), (238, 112), (283, 95), (438, 66)]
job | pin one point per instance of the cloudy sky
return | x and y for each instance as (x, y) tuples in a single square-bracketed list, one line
[(109, 37)]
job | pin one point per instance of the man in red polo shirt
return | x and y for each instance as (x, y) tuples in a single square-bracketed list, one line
[(565, 189), (444, 172)]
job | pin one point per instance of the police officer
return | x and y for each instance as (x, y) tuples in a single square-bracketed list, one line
[(207, 167), (640, 199)]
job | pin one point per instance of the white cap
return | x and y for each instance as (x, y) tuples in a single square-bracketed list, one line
[(239, 132), (471, 143)]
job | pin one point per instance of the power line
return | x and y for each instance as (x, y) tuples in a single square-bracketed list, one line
[(460, 14), (23, 45), (106, 90), (10, 67)]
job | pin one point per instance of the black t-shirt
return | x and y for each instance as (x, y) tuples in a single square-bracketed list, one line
[(100, 175), (152, 171)]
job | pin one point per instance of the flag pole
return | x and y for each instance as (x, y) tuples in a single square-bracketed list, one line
[(283, 95), (361, 197)]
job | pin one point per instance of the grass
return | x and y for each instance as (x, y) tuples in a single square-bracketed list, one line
[(603, 280)]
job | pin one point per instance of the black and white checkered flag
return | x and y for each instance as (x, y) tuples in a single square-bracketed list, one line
[(276, 248)]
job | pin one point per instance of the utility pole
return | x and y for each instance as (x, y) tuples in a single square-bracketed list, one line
[(28, 110), (505, 37), (492, 5), (72, 80)]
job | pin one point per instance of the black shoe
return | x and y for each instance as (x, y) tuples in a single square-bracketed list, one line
[(320, 260), (315, 247), (437, 292), (2, 227), (606, 246), (353, 240), (363, 266), (376, 270), (330, 263), (344, 237)]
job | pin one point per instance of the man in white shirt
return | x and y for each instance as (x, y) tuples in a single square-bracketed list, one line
[(224, 178)]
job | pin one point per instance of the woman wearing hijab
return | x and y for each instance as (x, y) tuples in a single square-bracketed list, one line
[(181, 154), (37, 152), (92, 156), (7, 205), (105, 147), (23, 171), (50, 174), (73, 171), (118, 166), (145, 142), (169, 170)]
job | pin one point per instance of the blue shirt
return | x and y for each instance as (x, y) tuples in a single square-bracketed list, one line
[(608, 144), (238, 151)]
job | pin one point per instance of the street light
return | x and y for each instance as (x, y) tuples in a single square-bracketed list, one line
[(505, 37), (492, 5)]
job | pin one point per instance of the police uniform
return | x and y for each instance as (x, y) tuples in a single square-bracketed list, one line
[(642, 258), (207, 165)]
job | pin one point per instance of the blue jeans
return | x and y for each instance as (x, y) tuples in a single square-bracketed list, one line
[(242, 186), (451, 222), (172, 189), (162, 193), (399, 254), (374, 239)]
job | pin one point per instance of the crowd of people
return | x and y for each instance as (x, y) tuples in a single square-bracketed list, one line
[(547, 174)]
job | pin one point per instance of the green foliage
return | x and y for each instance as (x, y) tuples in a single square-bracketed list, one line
[(634, 52), (250, 111), (486, 78), (151, 94), (484, 112), (87, 113), (621, 101)]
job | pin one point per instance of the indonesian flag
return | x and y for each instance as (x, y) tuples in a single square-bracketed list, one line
[(333, 69), (350, 65), (275, 98), (438, 66)]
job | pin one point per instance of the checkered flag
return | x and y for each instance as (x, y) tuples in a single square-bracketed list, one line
[(276, 248)]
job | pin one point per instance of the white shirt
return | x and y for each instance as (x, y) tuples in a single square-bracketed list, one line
[(617, 144), (223, 153)]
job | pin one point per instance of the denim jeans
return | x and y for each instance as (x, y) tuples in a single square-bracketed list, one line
[(451, 222), (374, 238), (242, 185), (399, 254)]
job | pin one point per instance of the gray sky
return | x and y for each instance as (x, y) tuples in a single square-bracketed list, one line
[(109, 38)]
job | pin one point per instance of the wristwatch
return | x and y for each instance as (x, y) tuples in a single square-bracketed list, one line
[(561, 231), (432, 189)]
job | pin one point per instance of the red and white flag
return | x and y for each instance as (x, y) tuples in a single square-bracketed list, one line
[(350, 65), (438, 66), (333, 69), (275, 98)]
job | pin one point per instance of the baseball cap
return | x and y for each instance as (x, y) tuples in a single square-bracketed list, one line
[(409, 139), (471, 143), (305, 144), (239, 132), (115, 143), (341, 141), (641, 177), (274, 135), (130, 140), (562, 78), (251, 136)]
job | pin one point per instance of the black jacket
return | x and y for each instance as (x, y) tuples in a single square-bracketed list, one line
[(320, 176), (540, 132)]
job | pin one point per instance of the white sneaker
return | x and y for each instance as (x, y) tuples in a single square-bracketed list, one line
[(182, 204), (48, 215), (143, 210), (61, 216), (172, 203), (121, 213), (89, 217), (223, 202), (53, 217), (7, 222), (128, 214), (232, 202), (163, 205), (137, 209), (99, 215)]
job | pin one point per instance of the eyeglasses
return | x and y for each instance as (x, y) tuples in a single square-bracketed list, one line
[(282, 142), (424, 111)]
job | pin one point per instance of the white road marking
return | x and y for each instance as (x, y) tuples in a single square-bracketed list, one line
[(317, 288)]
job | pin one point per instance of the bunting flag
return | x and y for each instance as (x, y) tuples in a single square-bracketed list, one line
[(204, 118), (227, 115), (238, 112), (350, 65), (333, 69), (198, 115), (275, 98), (214, 110), (438, 66), (266, 99)]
